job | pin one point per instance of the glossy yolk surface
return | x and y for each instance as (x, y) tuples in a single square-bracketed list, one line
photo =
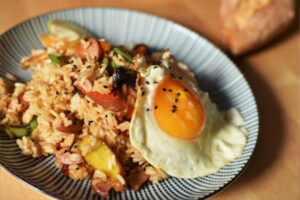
[(177, 110)]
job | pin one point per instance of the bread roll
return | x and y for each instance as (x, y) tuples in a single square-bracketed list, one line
[(248, 24)]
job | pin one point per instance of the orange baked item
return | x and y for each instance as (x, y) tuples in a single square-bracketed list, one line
[(248, 24)]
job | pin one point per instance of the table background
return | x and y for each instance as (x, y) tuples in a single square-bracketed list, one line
[(272, 72)]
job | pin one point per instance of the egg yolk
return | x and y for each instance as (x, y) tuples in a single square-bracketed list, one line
[(177, 110)]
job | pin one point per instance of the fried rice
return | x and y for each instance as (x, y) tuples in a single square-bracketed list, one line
[(60, 98)]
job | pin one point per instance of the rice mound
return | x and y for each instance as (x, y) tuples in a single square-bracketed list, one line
[(52, 94)]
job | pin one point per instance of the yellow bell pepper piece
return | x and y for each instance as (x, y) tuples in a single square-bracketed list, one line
[(100, 156)]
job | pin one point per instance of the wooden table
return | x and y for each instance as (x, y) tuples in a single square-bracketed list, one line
[(273, 74)]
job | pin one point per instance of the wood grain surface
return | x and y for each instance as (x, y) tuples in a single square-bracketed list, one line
[(272, 72)]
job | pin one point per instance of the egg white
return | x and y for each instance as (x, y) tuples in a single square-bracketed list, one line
[(219, 143)]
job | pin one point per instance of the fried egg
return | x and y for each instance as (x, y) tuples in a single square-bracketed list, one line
[(177, 128)]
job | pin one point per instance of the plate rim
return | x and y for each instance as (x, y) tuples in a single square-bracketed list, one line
[(194, 33)]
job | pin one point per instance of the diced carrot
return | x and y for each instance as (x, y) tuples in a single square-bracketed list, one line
[(106, 47)]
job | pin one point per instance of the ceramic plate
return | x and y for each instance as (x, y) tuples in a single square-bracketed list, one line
[(215, 72)]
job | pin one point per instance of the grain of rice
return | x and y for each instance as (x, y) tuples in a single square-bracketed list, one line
[(54, 113), (121, 179), (65, 120), (77, 172), (100, 174), (76, 157), (156, 174), (37, 51), (28, 147), (11, 77), (124, 126)]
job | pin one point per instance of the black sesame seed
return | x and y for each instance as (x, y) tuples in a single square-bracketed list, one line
[(170, 90), (106, 116), (57, 93), (70, 147), (143, 93), (185, 89), (155, 107), (77, 168), (172, 75), (88, 67), (155, 67), (105, 86), (176, 100), (89, 123), (164, 89), (180, 77), (75, 146), (147, 82), (78, 70), (177, 94), (174, 106), (74, 91), (147, 109), (75, 66), (173, 110), (65, 151)]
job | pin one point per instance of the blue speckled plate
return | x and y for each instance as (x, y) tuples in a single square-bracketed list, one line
[(215, 72)]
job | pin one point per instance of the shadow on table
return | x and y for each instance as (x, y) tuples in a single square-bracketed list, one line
[(271, 132)]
